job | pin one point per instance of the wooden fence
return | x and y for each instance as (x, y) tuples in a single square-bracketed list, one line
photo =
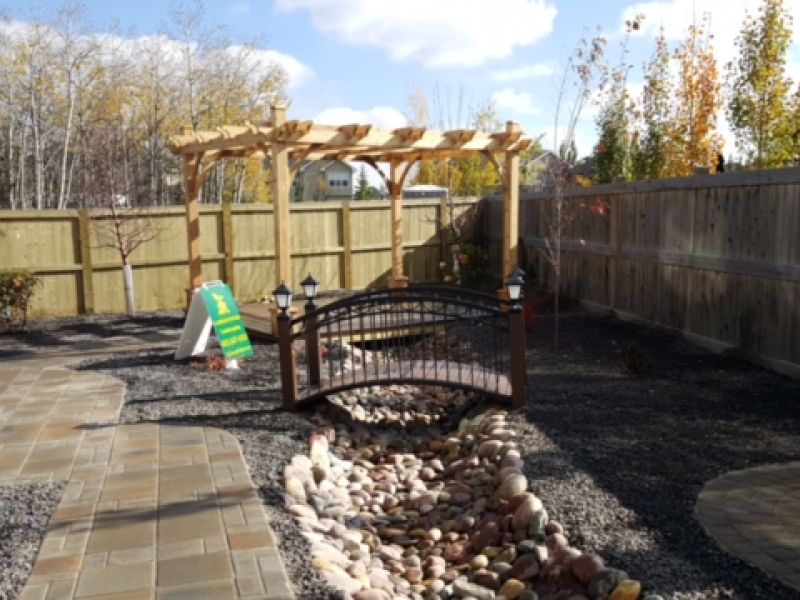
[(346, 245), (716, 257)]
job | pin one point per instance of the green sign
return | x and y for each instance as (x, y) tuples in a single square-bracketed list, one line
[(227, 321)]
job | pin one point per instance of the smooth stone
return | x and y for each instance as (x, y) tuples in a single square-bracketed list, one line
[(303, 511), (553, 527), (555, 542), (481, 561), (294, 487), (489, 448), (626, 590), (512, 485), (525, 567), (586, 567), (511, 589), (537, 524), (507, 555), (413, 574), (528, 595), (526, 546), (500, 567), (541, 553), (371, 594), (455, 552), (488, 579), (465, 589), (605, 581), (526, 512)]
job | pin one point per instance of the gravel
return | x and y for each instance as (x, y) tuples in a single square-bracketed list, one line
[(24, 513), (618, 458)]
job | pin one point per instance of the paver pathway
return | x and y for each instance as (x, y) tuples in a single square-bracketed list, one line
[(755, 514), (149, 511)]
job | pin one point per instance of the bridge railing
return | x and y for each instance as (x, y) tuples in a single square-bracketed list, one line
[(424, 334)]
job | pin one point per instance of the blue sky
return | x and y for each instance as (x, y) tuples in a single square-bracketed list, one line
[(358, 60)]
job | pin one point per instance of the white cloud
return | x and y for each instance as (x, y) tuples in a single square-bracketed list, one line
[(726, 20), (171, 50), (382, 117), (518, 102), (440, 33), (523, 72), (298, 72)]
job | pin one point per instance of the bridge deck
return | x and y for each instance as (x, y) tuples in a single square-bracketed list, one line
[(420, 372)]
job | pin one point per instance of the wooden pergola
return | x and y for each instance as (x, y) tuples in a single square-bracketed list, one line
[(287, 143)]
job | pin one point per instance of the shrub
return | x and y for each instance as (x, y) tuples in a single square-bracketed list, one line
[(473, 265), (16, 290)]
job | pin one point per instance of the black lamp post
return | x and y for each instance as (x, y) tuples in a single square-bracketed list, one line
[(283, 298), (311, 290)]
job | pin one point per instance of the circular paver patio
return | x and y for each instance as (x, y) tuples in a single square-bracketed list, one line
[(754, 514)]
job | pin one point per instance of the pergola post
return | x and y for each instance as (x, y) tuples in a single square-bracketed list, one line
[(396, 176), (510, 205), (191, 170), (281, 181)]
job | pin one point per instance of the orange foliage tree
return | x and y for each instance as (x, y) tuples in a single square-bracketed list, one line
[(691, 135)]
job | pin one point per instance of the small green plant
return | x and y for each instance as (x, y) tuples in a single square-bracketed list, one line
[(473, 262), (16, 291), (634, 361)]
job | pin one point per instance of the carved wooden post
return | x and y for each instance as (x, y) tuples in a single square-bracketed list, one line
[(288, 371), (312, 344), (516, 328)]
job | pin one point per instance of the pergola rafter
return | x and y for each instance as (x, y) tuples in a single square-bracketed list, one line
[(287, 143)]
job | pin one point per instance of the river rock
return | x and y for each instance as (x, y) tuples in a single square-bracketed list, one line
[(512, 485), (626, 590), (488, 579), (466, 589), (586, 567), (525, 512), (511, 589), (604, 582), (525, 567)]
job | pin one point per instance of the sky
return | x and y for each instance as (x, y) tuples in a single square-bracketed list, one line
[(359, 60)]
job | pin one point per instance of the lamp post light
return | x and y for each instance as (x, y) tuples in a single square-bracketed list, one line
[(283, 298), (311, 290), (514, 288)]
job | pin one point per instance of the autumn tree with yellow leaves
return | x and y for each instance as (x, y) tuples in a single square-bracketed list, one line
[(691, 136)]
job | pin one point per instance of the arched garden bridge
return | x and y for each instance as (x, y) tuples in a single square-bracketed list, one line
[(421, 334)]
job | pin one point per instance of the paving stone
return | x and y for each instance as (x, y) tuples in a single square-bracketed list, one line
[(193, 569), (95, 581)]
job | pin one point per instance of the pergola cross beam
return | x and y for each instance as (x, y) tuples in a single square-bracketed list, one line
[(287, 143)]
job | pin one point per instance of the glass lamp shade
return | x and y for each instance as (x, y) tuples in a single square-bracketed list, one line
[(283, 296), (514, 286), (310, 287)]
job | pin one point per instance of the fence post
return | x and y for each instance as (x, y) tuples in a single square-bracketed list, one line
[(347, 245), (87, 276), (288, 371), (227, 242), (312, 344), (516, 328)]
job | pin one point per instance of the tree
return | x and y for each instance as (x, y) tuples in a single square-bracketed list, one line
[(364, 191), (580, 74), (612, 152), (692, 139), (757, 106), (649, 158)]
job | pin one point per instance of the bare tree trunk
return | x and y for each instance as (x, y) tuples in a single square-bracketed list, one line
[(62, 194), (23, 192), (12, 202), (38, 162)]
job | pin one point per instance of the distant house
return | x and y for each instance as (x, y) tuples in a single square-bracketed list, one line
[(326, 180), (425, 191)]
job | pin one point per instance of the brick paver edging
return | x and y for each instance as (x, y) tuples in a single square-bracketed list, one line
[(754, 514)]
